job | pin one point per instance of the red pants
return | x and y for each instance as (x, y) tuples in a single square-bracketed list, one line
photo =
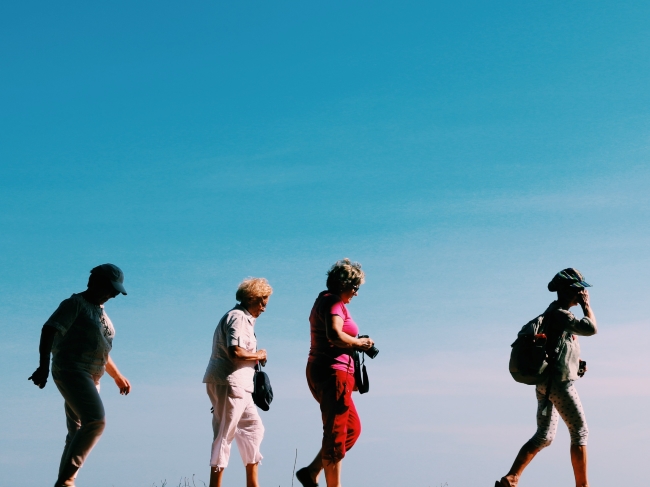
[(341, 426)]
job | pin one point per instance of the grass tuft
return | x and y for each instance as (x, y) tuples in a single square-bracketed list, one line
[(183, 482)]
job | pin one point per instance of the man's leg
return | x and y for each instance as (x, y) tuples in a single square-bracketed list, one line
[(85, 418), (73, 423)]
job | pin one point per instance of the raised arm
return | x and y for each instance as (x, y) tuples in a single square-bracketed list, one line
[(40, 375), (336, 336), (121, 382), (583, 298), (583, 327)]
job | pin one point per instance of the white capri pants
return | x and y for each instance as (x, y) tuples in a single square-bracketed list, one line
[(84, 413), (565, 401), (235, 416)]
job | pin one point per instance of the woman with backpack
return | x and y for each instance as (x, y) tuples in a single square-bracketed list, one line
[(561, 329), (229, 382)]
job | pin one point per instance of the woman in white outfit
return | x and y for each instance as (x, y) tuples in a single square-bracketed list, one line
[(80, 336), (229, 382)]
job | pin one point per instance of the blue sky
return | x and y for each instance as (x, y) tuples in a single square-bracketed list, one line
[(462, 153)]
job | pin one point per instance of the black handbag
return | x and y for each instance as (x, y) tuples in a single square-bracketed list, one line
[(360, 373), (262, 390)]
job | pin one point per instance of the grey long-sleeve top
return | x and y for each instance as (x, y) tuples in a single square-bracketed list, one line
[(559, 319)]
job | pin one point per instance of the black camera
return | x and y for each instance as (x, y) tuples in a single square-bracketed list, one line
[(582, 368), (372, 351)]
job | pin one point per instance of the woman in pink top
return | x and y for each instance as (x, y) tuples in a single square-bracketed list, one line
[(330, 371)]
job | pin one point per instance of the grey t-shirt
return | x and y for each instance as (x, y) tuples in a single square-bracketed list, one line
[(84, 336)]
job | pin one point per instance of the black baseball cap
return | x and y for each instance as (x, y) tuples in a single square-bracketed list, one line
[(112, 274)]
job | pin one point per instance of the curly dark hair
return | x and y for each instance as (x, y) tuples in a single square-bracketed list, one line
[(344, 275)]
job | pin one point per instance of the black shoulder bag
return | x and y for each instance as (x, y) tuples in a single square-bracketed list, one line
[(360, 372), (262, 390)]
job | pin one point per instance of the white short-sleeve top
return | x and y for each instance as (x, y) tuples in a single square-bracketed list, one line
[(84, 336), (237, 327)]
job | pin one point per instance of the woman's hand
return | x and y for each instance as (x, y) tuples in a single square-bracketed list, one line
[(261, 356), (364, 343), (39, 377), (583, 301), (122, 384), (238, 353)]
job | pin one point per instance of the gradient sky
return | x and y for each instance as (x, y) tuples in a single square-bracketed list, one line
[(463, 152)]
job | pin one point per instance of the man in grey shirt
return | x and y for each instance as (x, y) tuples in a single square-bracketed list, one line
[(79, 335)]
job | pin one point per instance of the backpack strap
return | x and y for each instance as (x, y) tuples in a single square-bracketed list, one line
[(551, 371)]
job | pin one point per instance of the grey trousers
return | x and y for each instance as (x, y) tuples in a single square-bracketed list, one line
[(84, 412)]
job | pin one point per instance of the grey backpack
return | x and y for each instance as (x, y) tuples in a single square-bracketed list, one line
[(531, 358)]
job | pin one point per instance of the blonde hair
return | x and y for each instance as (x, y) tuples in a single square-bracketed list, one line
[(253, 287), (344, 275)]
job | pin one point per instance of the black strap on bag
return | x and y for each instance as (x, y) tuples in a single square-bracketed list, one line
[(360, 372), (262, 390), (551, 371)]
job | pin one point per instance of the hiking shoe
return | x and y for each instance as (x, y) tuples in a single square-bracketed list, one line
[(304, 478)]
